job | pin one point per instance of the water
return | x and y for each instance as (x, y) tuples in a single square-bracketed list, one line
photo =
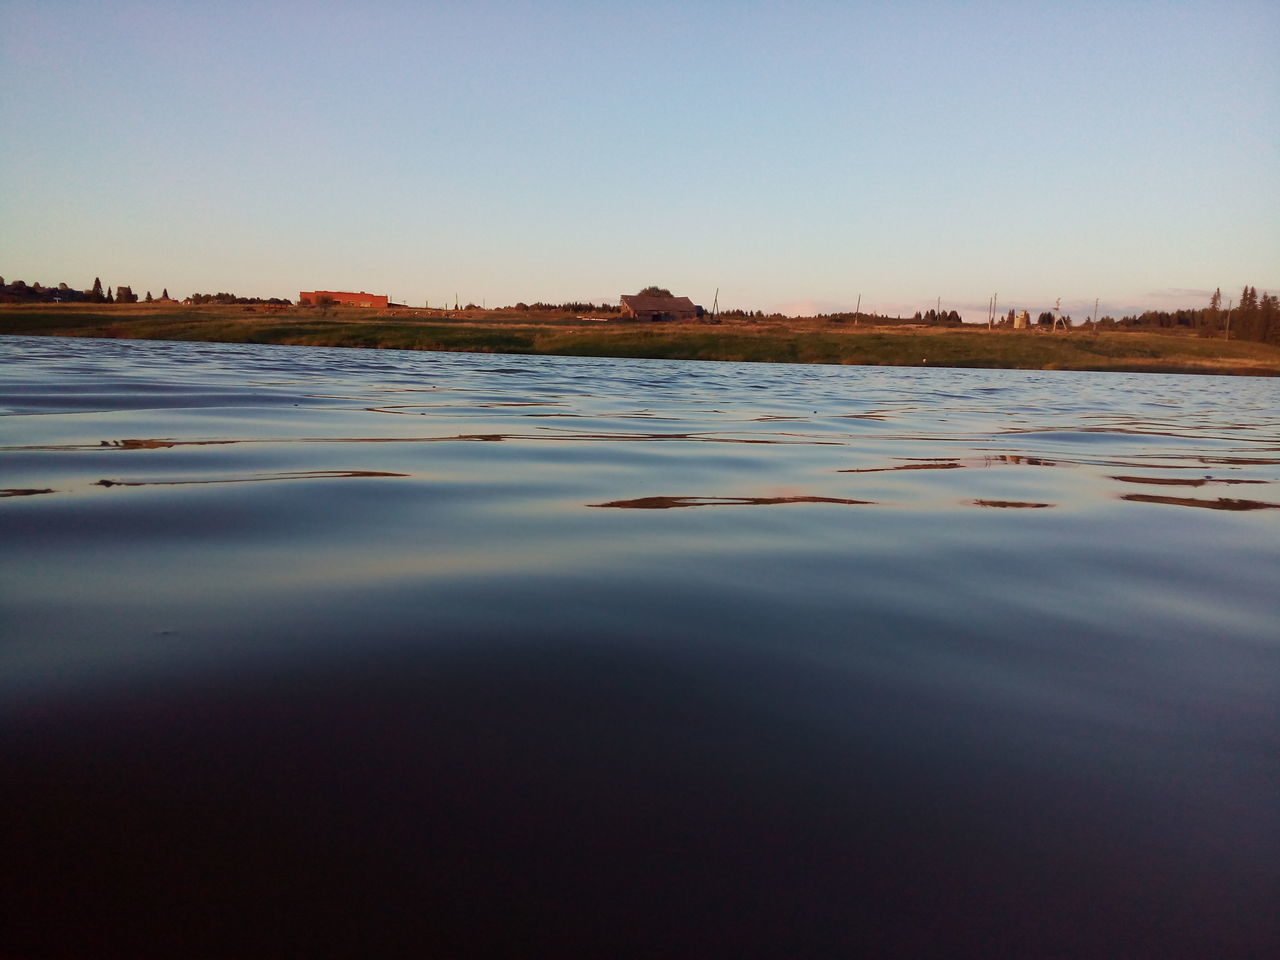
[(392, 653)]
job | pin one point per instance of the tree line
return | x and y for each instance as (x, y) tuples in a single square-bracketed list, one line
[(573, 306), (1251, 316), (20, 292), (229, 298), (937, 318)]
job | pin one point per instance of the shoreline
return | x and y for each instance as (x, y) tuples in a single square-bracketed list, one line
[(799, 340)]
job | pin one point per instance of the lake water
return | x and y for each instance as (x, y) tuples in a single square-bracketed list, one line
[(369, 653)]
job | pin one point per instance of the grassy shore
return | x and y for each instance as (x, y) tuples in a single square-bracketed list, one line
[(803, 340)]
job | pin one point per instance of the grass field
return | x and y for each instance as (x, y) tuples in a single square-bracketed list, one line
[(803, 340)]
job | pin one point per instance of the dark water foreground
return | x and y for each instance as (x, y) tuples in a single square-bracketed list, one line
[(372, 653)]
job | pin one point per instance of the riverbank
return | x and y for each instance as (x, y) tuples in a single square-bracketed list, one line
[(799, 340)]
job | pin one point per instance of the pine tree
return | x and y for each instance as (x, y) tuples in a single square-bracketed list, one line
[(164, 294), (148, 296), (96, 295), (110, 296), (1270, 313), (1247, 323)]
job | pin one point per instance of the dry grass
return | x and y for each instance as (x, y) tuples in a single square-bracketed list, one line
[(805, 340)]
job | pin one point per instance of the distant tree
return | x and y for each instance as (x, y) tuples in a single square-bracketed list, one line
[(1269, 311), (1045, 319), (110, 296), (96, 294), (126, 295), (148, 296), (164, 295), (654, 292), (1248, 323)]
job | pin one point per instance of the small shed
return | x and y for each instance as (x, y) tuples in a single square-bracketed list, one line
[(643, 307)]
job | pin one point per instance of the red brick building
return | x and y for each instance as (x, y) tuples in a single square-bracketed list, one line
[(341, 299)]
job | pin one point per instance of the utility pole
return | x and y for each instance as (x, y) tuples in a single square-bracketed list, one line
[(857, 311), (715, 304), (1057, 315), (1230, 303)]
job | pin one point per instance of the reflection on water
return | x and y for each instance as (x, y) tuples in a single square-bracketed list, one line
[(294, 475), (1249, 461), (1184, 481), (942, 465), (417, 695), (1009, 503), (1019, 458), (1222, 503), (665, 503), (157, 444)]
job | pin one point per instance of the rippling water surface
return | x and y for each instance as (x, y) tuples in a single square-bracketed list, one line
[(379, 652)]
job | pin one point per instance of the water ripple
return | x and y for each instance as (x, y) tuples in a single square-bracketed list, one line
[(969, 666)]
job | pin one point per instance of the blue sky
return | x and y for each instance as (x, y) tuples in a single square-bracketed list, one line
[(793, 155)]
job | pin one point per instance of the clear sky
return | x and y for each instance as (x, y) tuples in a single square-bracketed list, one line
[(794, 155)]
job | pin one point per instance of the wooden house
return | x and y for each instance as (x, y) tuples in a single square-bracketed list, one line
[(659, 308)]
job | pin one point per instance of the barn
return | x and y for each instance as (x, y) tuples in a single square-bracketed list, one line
[(641, 307)]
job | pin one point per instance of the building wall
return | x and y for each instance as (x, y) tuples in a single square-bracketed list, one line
[(344, 299)]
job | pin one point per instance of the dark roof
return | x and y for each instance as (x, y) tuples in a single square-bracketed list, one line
[(658, 304)]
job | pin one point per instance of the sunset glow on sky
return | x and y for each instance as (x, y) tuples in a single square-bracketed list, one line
[(795, 156)]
